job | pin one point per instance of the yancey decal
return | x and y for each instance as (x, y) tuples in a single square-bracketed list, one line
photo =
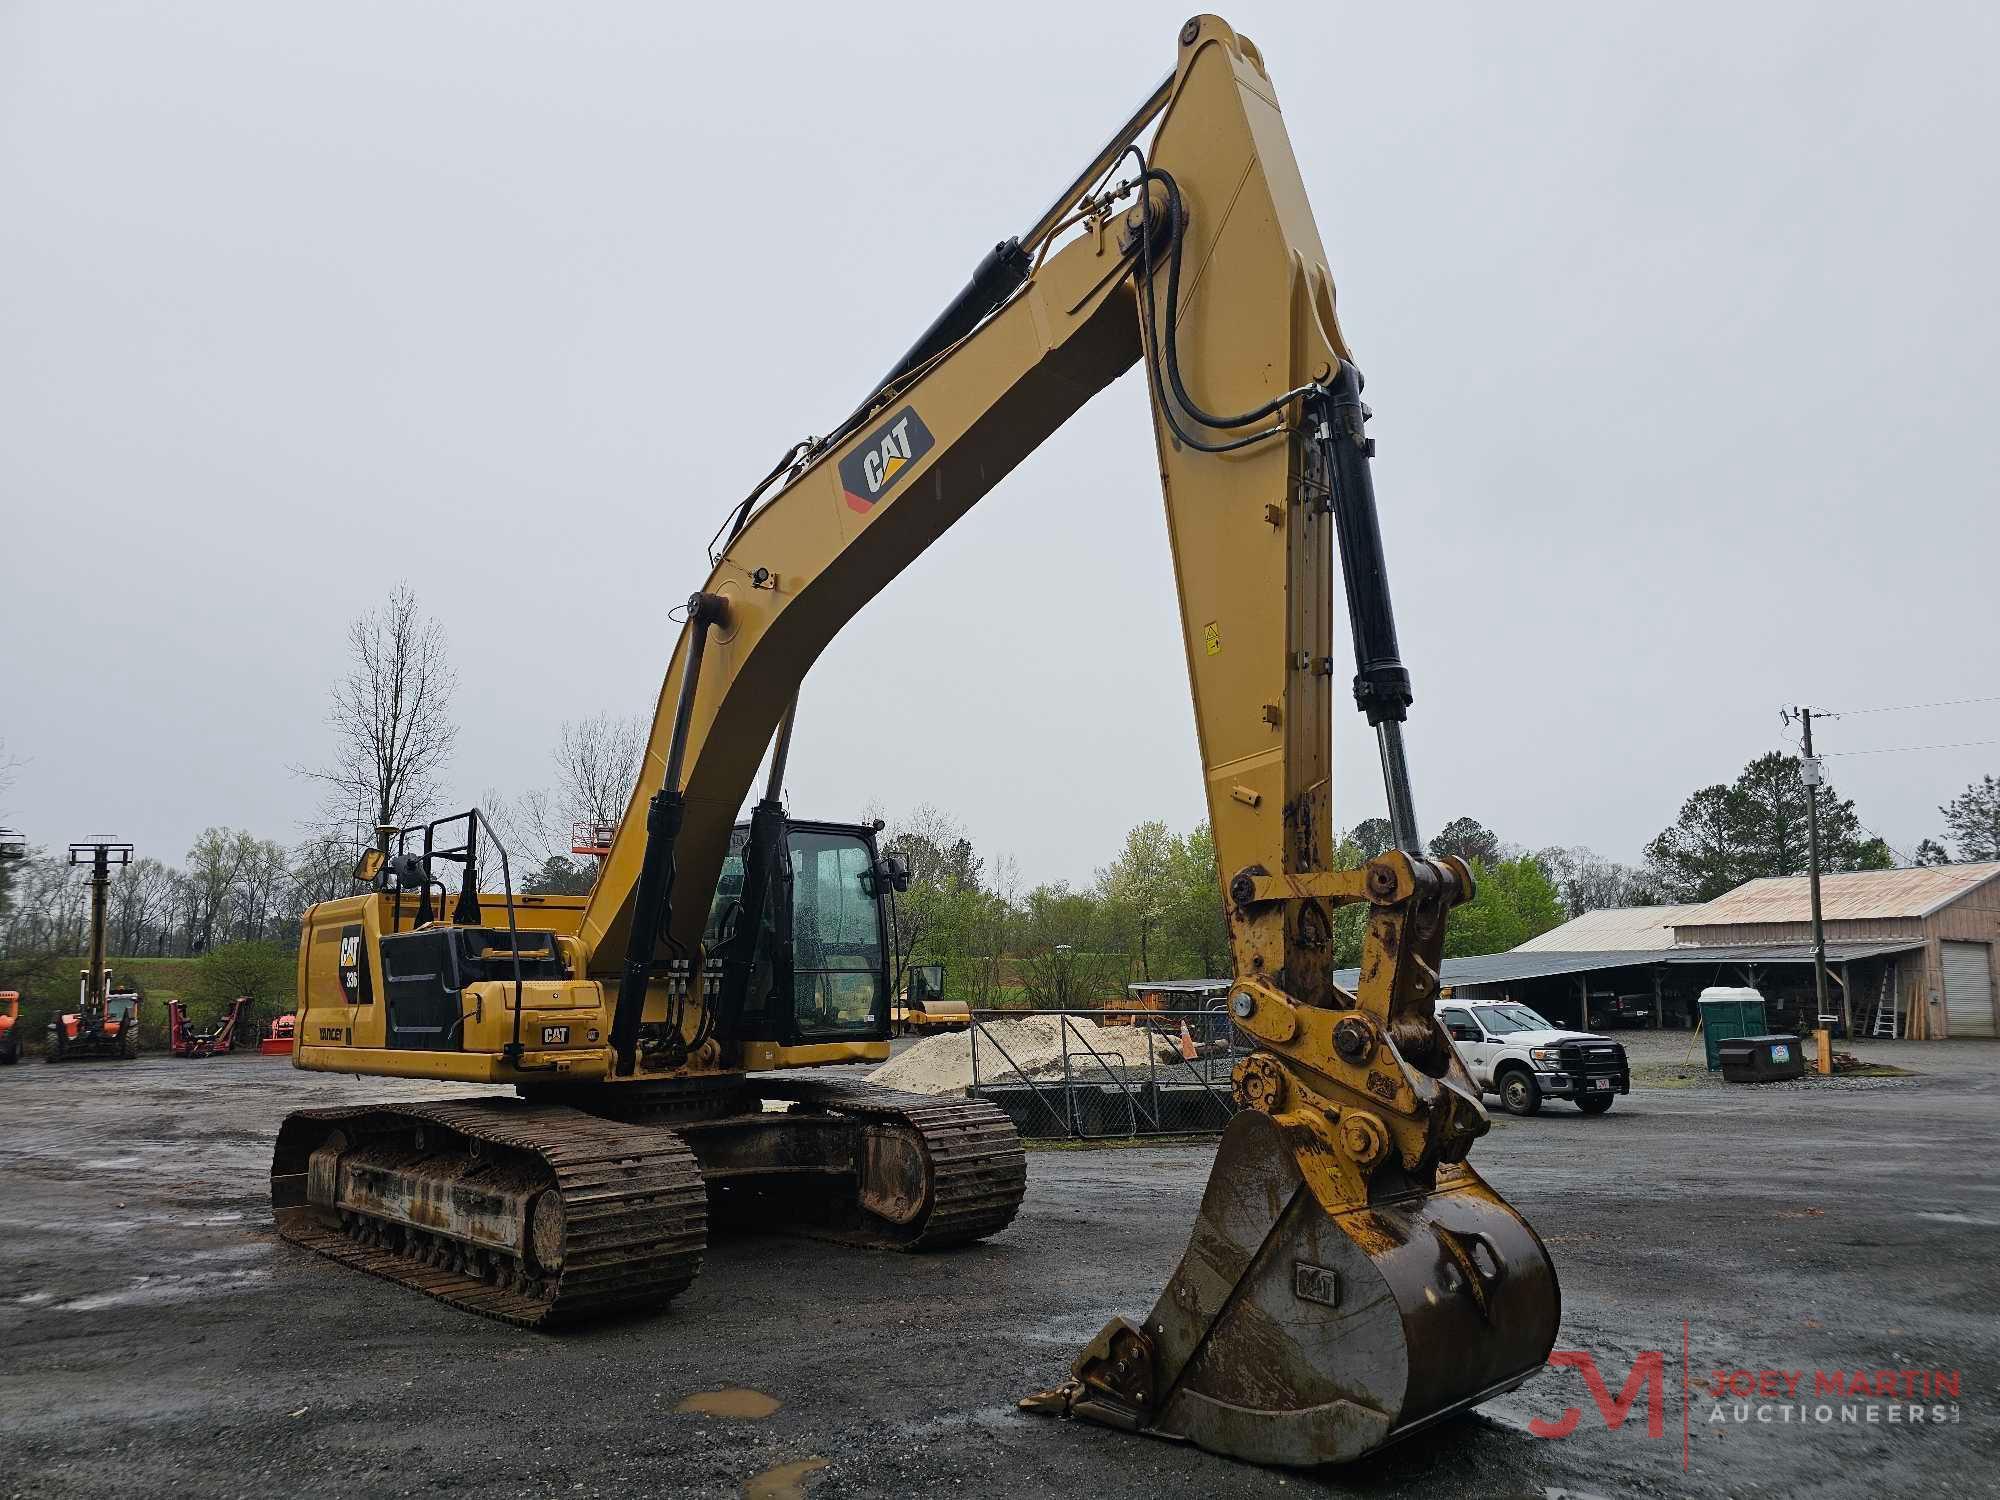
[(884, 456)]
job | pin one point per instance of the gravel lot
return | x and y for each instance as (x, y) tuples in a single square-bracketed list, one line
[(155, 1337)]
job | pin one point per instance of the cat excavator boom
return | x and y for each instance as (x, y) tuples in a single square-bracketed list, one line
[(1350, 1278)]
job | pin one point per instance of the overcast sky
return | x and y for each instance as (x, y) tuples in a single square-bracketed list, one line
[(1678, 321)]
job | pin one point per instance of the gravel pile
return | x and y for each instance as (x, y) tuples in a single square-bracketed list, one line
[(1033, 1045)]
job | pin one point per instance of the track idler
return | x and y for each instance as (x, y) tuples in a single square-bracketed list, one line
[(1350, 1280)]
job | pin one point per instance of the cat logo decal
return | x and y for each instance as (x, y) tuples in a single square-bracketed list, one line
[(882, 458)]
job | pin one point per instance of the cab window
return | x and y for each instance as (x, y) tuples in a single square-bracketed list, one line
[(837, 933), (1459, 1025), (728, 891)]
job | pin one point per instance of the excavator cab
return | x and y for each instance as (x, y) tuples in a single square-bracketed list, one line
[(819, 970)]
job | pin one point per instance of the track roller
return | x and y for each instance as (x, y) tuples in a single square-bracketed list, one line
[(532, 1213)]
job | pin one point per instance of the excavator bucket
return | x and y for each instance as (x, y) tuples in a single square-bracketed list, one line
[(1288, 1335), (1350, 1279)]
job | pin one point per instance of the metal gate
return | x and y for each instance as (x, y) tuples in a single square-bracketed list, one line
[(1093, 1075)]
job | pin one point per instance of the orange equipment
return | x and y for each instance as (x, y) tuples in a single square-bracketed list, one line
[(105, 1022), (284, 1031), (10, 1026)]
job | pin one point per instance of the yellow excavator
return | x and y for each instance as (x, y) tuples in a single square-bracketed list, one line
[(1350, 1278)]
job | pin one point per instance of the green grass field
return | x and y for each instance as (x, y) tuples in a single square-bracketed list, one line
[(50, 986)]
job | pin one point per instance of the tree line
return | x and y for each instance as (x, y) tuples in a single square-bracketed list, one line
[(1152, 910), (233, 887), (1757, 826)]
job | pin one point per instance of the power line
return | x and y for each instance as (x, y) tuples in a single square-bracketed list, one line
[(1898, 708), (1904, 749), (1905, 857)]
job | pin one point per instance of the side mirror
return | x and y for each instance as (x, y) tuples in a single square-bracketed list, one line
[(889, 872), (369, 865)]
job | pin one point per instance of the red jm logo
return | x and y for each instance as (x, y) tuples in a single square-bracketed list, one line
[(1649, 1374)]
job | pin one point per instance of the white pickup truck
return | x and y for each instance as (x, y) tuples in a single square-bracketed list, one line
[(1512, 1052)]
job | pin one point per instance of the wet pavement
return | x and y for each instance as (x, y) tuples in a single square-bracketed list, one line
[(156, 1337)]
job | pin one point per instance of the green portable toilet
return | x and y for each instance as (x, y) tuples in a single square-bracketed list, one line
[(1727, 1012)]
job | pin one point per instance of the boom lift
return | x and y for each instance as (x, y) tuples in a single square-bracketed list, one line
[(1350, 1278), (105, 1022)]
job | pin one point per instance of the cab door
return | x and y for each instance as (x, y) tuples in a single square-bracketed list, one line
[(1469, 1040), (839, 953)]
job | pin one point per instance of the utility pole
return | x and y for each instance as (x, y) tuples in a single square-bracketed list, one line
[(1809, 772)]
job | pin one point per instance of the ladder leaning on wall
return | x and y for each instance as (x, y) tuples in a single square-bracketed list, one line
[(1885, 1005)]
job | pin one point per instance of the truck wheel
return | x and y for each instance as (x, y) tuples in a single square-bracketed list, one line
[(1519, 1093), (1596, 1104)]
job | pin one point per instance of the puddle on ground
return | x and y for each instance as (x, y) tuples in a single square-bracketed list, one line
[(1960, 1218), (146, 1291), (751, 1405), (786, 1482), (992, 1418)]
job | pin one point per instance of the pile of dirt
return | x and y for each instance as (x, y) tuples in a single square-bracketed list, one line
[(1010, 1051)]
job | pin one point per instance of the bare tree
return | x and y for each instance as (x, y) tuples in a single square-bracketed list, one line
[(142, 895), (215, 864), (15, 851), (322, 870), (259, 899), (45, 914), (391, 717), (1587, 881), (530, 826), (597, 765)]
